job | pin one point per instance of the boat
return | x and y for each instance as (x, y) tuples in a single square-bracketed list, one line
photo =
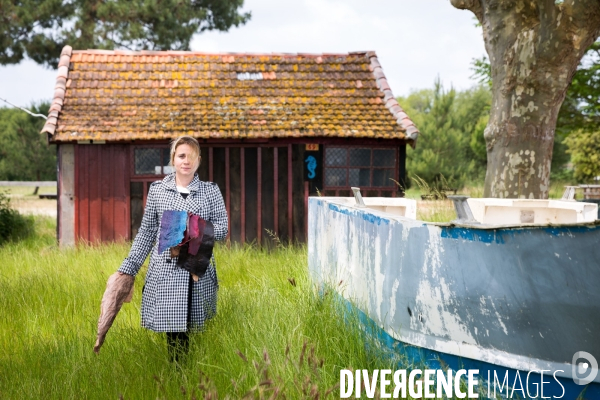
[(510, 288)]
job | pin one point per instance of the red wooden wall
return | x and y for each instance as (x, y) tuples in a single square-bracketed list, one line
[(262, 185), (102, 192)]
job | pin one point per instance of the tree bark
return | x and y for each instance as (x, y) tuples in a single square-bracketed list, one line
[(534, 47)]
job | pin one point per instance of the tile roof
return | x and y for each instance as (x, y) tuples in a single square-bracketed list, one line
[(124, 95)]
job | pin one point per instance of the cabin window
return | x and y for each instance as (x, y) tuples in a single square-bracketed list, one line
[(362, 167), (152, 161)]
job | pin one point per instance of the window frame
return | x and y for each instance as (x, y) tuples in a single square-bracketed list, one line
[(144, 177), (347, 166)]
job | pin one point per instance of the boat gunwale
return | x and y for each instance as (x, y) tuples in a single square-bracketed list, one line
[(455, 223)]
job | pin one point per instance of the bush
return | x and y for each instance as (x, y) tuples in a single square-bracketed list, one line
[(13, 226), (584, 148)]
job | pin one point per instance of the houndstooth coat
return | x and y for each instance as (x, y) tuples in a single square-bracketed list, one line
[(165, 295)]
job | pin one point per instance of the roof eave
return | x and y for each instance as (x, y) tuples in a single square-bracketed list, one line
[(405, 123), (59, 91)]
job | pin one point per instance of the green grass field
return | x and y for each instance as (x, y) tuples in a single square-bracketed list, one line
[(268, 336)]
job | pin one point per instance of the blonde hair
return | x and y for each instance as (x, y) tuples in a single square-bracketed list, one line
[(190, 141)]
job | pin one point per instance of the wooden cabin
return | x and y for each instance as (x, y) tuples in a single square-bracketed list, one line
[(274, 129)]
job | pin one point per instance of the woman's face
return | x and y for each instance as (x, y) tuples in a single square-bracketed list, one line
[(186, 161)]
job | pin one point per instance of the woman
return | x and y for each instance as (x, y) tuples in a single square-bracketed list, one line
[(172, 301)]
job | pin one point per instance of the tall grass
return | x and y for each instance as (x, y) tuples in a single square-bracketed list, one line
[(435, 210), (274, 334)]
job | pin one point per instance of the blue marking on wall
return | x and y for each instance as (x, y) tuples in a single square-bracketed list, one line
[(475, 235), (374, 219), (559, 231), (499, 235), (311, 166)]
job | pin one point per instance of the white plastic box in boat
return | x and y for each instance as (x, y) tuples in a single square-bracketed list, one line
[(524, 211)]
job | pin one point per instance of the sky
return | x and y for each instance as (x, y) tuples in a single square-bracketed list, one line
[(416, 41)]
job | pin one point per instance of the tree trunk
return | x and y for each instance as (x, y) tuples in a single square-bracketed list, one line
[(534, 49), (520, 133)]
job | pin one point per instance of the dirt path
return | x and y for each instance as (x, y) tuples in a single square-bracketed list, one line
[(48, 208), (31, 205)]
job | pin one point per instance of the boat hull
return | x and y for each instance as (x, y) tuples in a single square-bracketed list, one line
[(517, 298)]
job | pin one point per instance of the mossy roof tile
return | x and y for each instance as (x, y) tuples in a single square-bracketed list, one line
[(121, 95)]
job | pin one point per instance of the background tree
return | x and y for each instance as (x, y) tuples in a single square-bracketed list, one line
[(578, 127), (41, 28), (24, 153), (579, 112), (581, 108), (584, 148), (534, 47), (448, 151)]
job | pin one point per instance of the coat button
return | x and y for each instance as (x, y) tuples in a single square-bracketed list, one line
[(168, 261)]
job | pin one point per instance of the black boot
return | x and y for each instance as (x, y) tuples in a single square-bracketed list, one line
[(178, 344)]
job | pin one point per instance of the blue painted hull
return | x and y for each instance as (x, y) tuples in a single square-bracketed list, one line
[(519, 383), (504, 298)]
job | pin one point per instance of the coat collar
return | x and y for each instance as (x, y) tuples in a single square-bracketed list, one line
[(169, 182)]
